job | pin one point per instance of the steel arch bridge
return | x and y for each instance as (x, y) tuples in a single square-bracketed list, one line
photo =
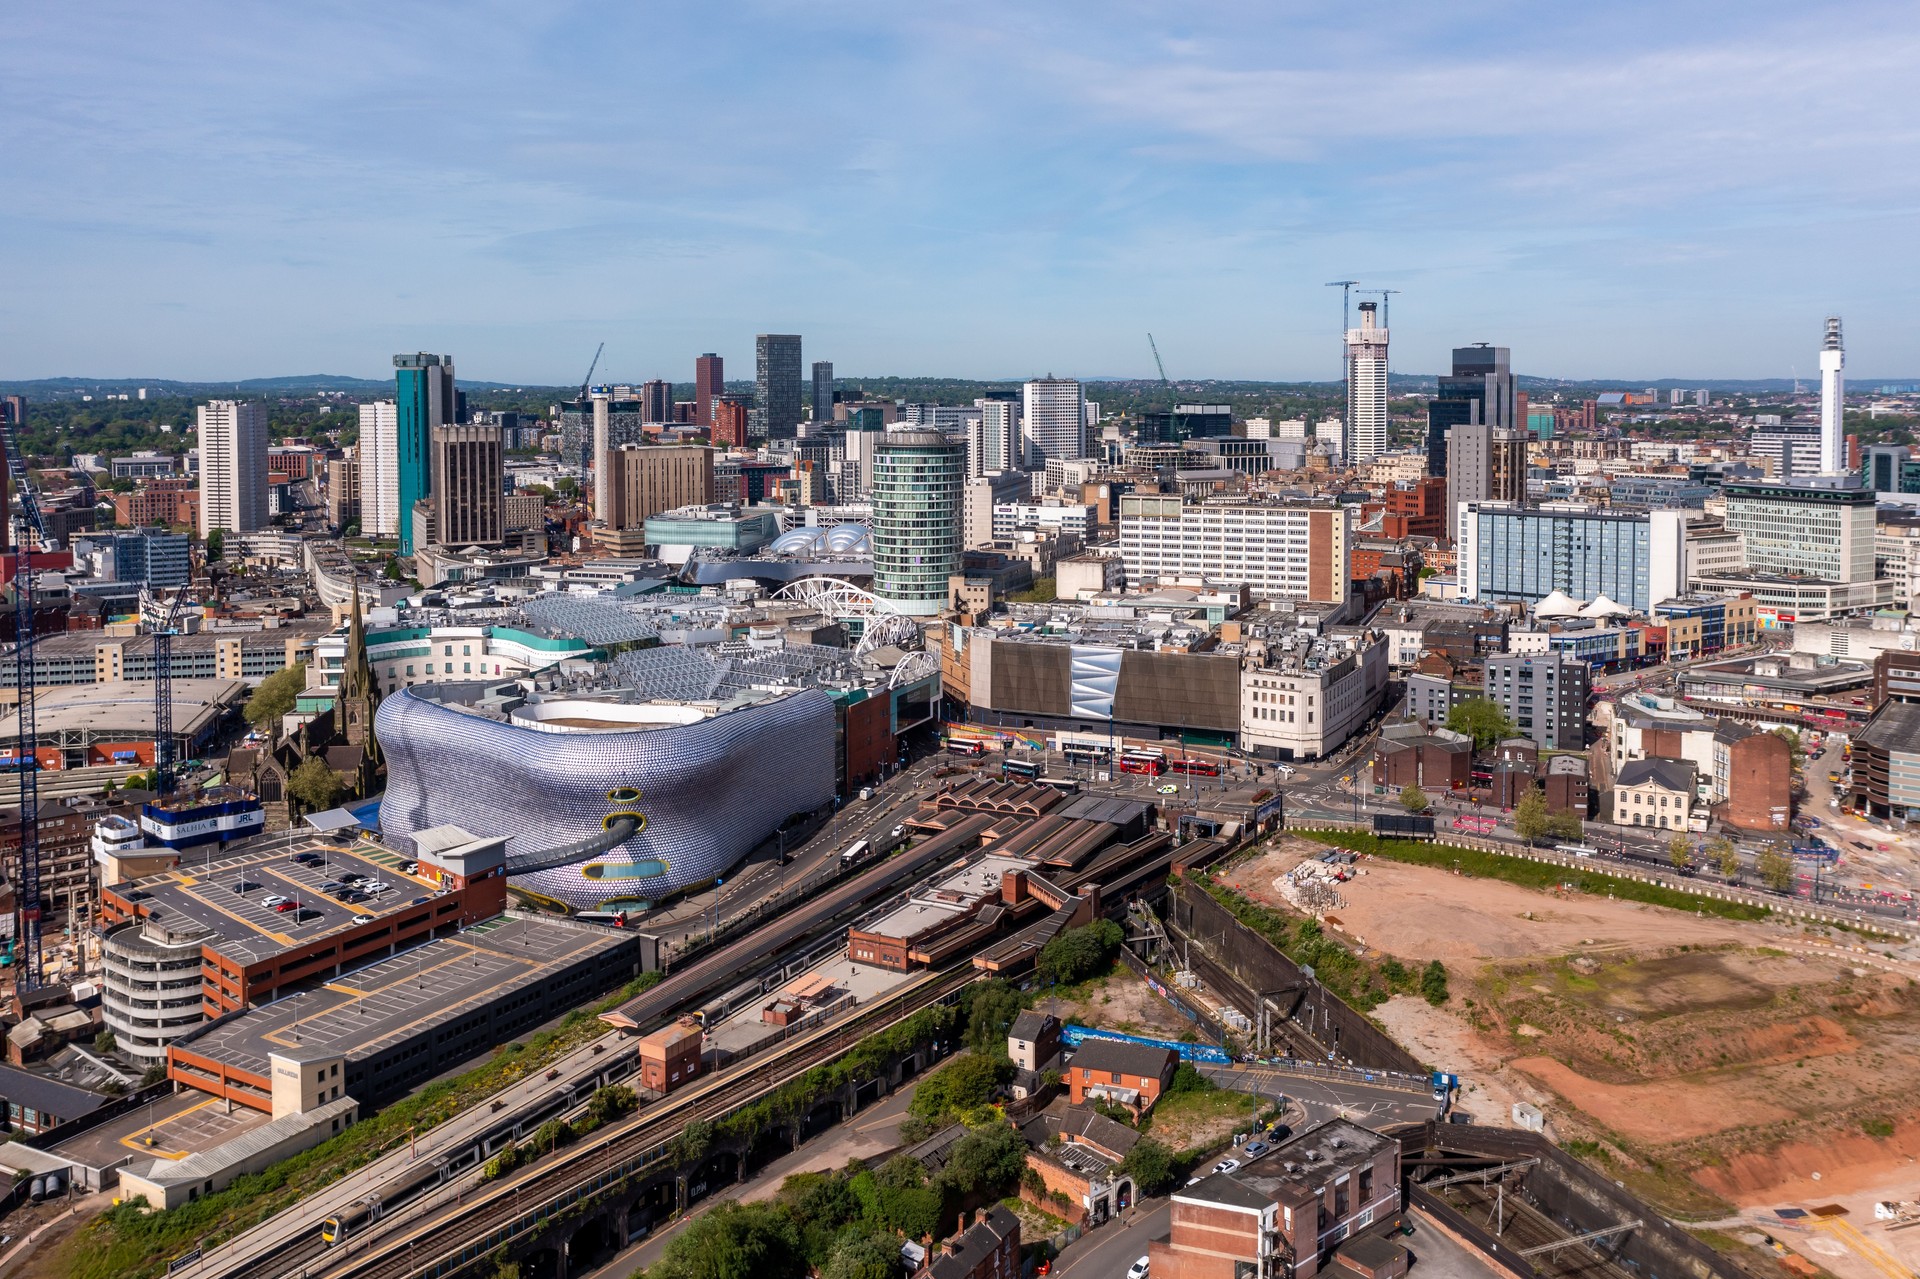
[(880, 622)]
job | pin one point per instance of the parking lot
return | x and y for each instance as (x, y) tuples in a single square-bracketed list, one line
[(278, 895), (183, 1124)]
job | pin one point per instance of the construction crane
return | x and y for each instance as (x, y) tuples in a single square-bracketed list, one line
[(588, 379), (163, 693), (1346, 307), (1385, 313), (28, 525), (1164, 380)]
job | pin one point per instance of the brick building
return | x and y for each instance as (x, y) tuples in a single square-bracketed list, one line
[(66, 858), (1418, 509), (1752, 777), (1409, 755), (987, 1248), (1283, 1214), (174, 503), (670, 1057), (1112, 1070)]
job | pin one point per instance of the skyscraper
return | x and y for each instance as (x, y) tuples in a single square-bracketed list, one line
[(426, 399), (603, 443), (1484, 464), (469, 489), (1366, 389), (999, 435), (822, 396), (233, 466), (709, 380), (1054, 420), (656, 400), (1480, 391), (776, 386), (1833, 394), (379, 470), (646, 480), (917, 478)]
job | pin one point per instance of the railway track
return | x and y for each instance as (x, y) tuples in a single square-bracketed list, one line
[(436, 1238), (1525, 1226)]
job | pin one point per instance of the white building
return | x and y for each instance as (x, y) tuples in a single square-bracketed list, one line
[(1049, 517), (233, 466), (1833, 394), (1054, 420), (1001, 445), (1303, 695), (1714, 548), (1366, 389), (1283, 551), (379, 455)]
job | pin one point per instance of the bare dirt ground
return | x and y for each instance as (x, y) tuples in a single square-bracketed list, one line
[(1119, 1001), (1710, 1064)]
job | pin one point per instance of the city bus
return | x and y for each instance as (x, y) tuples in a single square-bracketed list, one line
[(972, 749), (1086, 753), (1151, 763), (852, 853), (1576, 850), (1197, 767), (1020, 768)]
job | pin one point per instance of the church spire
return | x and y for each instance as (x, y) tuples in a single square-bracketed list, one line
[(359, 692)]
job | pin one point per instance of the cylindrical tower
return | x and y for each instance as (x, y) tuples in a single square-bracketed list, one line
[(917, 478), (1366, 389), (1833, 391)]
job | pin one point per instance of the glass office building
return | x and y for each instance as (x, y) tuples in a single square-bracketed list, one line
[(1524, 554), (917, 478)]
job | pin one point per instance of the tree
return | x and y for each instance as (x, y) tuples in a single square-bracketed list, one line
[(1413, 799), (1680, 852), (216, 546), (872, 1255), (963, 1084), (735, 1241), (104, 1042), (1566, 825), (1795, 750), (1482, 720), (1150, 1164), (314, 784), (1775, 867), (993, 1006), (692, 1142), (1433, 983), (1723, 854), (1079, 953), (276, 695), (1530, 818), (985, 1162)]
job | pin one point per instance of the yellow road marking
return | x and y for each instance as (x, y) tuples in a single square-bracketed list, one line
[(133, 1142), (1876, 1256)]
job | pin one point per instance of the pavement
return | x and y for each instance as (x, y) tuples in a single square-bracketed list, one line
[(182, 1124), (1370, 1105)]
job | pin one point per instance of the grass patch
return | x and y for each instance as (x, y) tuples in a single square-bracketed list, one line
[(126, 1243), (1532, 874)]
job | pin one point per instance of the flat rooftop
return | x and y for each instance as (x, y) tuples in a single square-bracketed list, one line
[(403, 996), (951, 896), (126, 707), (227, 895)]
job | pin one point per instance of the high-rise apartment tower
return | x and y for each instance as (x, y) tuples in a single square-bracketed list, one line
[(709, 380), (1366, 388), (425, 400), (233, 466), (776, 385), (822, 396), (1054, 416)]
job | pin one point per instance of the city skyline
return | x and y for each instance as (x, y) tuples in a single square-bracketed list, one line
[(1204, 177)]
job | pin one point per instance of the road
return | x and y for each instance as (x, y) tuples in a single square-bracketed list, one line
[(1372, 1105), (1106, 1252)]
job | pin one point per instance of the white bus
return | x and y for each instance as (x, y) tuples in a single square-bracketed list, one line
[(852, 853), (1576, 850)]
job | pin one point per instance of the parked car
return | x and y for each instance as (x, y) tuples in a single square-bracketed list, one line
[(273, 901), (245, 886), (1254, 1149), (363, 919), (376, 887), (1227, 1165), (284, 907), (1138, 1270)]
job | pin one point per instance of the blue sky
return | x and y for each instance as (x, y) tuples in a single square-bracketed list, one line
[(1629, 189)]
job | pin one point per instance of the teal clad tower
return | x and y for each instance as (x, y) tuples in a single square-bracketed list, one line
[(424, 399)]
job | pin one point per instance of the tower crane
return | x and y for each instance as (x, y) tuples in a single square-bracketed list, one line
[(1164, 381), (1346, 301), (163, 693), (29, 525), (588, 379), (1386, 315)]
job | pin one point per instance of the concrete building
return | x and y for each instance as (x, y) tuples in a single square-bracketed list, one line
[(1366, 389), (1822, 531), (822, 389), (1886, 764), (343, 490), (379, 455), (425, 398), (1282, 550), (1484, 464), (645, 480), (1282, 1215), (917, 478), (776, 386), (233, 466), (1303, 696), (1054, 420), (1545, 696), (469, 488), (1833, 395), (1479, 392)]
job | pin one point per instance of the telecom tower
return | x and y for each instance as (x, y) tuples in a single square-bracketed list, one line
[(1366, 389), (1833, 390)]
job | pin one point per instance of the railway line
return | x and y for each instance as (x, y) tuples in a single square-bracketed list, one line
[(1520, 1226), (437, 1238)]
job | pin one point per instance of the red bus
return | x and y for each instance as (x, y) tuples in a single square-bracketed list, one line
[(1197, 767), (1152, 763), (959, 747)]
